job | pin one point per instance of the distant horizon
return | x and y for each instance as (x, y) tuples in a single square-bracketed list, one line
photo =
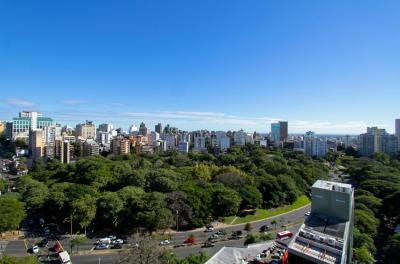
[(325, 66), (97, 121)]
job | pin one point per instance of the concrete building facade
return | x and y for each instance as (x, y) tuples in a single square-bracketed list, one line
[(326, 237)]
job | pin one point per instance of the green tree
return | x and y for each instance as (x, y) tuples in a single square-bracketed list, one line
[(274, 223), (153, 214), (202, 172), (226, 201), (251, 197), (34, 193), (77, 241), (248, 227), (392, 250), (363, 240), (12, 212), (363, 256), (365, 222), (84, 210), (109, 207), (250, 239)]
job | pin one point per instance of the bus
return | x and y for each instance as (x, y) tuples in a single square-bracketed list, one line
[(284, 234)]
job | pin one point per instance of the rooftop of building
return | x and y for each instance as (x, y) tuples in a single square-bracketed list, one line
[(332, 186), (321, 238), (238, 255)]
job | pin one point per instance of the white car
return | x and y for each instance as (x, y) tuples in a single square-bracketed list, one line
[(35, 249), (118, 241), (307, 214), (105, 240), (102, 246), (209, 229), (165, 242), (215, 236), (112, 237)]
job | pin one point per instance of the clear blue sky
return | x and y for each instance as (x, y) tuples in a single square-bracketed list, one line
[(328, 66)]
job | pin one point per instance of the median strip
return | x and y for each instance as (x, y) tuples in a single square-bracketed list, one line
[(263, 214)]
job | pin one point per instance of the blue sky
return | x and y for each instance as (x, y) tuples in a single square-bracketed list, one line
[(327, 66)]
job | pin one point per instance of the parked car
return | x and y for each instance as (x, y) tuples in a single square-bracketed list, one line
[(102, 246), (112, 237), (307, 214), (221, 232), (105, 240), (179, 245), (117, 241), (43, 243), (165, 242), (117, 246), (208, 244), (264, 228), (209, 229), (214, 236), (35, 249)]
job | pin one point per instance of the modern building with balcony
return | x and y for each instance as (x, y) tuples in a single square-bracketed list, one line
[(326, 237)]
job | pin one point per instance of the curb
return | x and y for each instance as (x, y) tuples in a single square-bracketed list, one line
[(294, 210)]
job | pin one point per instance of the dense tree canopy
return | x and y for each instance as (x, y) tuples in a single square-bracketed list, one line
[(12, 212), (377, 211), (131, 191)]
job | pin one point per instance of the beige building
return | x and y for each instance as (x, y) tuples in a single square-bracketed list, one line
[(90, 148), (2, 127), (120, 146), (86, 130), (36, 144)]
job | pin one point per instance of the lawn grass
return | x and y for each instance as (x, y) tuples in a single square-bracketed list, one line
[(265, 213)]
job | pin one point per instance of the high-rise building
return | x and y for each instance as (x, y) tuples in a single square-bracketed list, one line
[(397, 128), (158, 128), (389, 144), (133, 129), (86, 130), (143, 129), (120, 146), (275, 132), (314, 146), (90, 148), (366, 144), (50, 133), (199, 143), (283, 130), (27, 121), (326, 237), (36, 144), (377, 140), (106, 128), (183, 147), (239, 138)]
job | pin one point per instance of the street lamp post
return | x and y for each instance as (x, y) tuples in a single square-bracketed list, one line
[(177, 215)]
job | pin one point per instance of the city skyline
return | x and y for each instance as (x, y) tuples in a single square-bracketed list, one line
[(326, 67)]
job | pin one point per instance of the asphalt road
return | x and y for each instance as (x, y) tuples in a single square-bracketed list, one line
[(19, 248), (178, 238), (180, 252), (16, 248)]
